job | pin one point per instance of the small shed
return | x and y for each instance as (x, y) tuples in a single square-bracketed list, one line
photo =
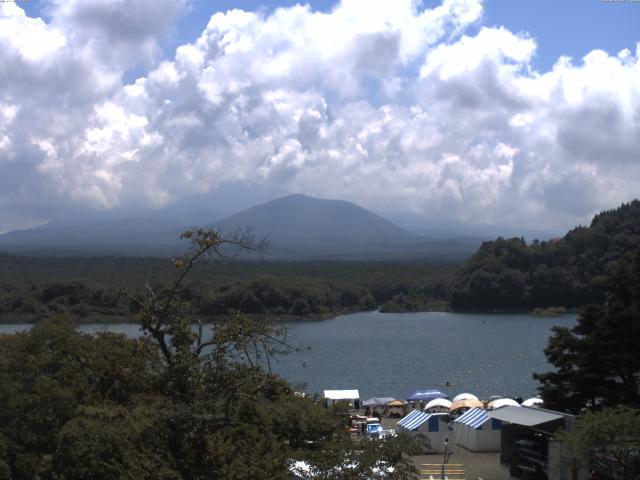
[(528, 440), (433, 426), (331, 397), (477, 432)]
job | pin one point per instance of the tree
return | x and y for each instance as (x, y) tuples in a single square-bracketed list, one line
[(51, 373), (221, 398), (607, 442), (598, 361), (109, 442)]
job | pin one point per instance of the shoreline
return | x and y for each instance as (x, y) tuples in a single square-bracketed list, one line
[(550, 312)]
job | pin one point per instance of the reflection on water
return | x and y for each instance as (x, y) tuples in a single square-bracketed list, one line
[(394, 354)]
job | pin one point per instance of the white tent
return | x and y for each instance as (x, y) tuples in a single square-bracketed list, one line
[(333, 396), (438, 405), (341, 394), (532, 402), (477, 432), (464, 396), (433, 426), (502, 402)]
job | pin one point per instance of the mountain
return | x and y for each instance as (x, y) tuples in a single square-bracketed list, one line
[(571, 271), (302, 225), (297, 226)]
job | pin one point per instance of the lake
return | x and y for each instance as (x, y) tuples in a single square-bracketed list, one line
[(393, 354)]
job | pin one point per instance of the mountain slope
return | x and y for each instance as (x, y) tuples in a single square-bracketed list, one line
[(299, 226), (134, 236), (299, 218)]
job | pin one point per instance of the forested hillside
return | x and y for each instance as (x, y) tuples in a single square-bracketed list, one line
[(571, 271)]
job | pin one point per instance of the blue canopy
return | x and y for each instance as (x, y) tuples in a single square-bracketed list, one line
[(425, 395)]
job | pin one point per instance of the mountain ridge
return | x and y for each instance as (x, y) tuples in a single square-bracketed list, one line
[(298, 226)]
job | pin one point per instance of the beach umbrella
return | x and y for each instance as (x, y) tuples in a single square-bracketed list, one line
[(465, 396), (396, 403), (469, 403), (532, 402), (502, 402)]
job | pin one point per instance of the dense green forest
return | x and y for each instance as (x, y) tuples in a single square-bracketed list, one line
[(571, 271), (90, 288)]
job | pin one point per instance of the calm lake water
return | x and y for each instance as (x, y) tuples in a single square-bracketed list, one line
[(386, 354)]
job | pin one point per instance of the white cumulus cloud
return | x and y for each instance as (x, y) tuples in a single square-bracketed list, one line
[(389, 104)]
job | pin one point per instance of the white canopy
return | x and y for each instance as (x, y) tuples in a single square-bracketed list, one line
[(502, 402), (438, 402), (341, 394), (532, 402), (378, 401), (465, 396)]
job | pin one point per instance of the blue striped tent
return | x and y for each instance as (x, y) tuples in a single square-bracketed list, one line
[(475, 430), (414, 420), (432, 425), (474, 418)]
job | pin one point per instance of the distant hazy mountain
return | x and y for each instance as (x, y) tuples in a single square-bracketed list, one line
[(297, 227), (132, 236), (301, 226)]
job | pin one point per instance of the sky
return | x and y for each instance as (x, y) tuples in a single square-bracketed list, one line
[(457, 112)]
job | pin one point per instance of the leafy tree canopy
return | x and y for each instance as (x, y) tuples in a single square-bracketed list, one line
[(186, 401), (606, 443)]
